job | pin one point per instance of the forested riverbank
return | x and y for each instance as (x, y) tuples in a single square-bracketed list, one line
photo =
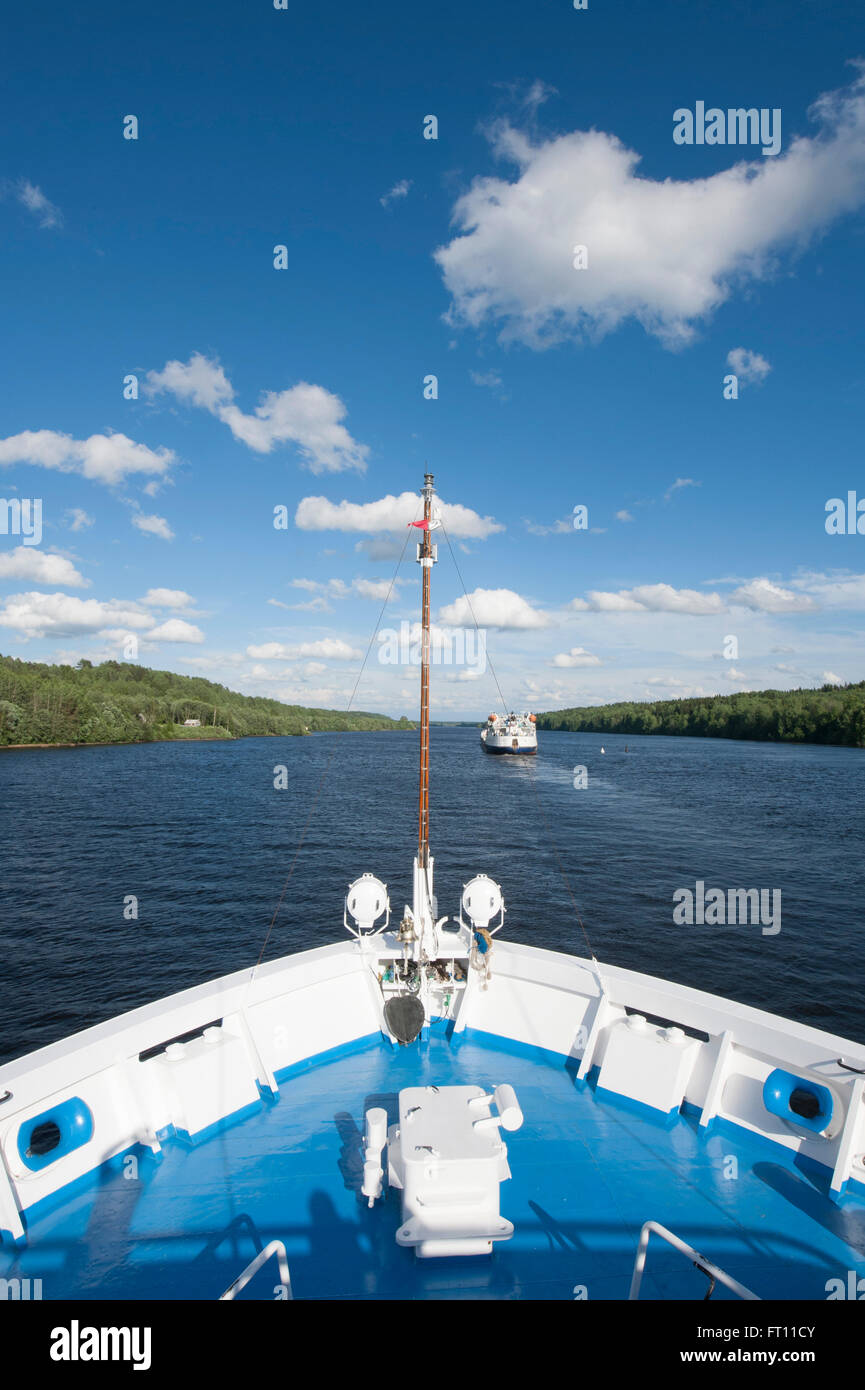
[(830, 714), (117, 702)]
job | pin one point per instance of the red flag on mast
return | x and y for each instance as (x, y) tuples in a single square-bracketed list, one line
[(424, 525)]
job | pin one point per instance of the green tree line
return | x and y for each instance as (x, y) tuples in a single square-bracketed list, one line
[(830, 714), (116, 702)]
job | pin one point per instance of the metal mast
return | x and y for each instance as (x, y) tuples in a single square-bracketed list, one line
[(426, 559)]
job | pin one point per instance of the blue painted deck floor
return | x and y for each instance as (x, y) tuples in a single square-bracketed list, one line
[(586, 1174)]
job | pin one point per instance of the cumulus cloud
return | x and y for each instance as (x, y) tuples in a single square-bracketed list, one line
[(168, 598), (153, 526), (767, 597), (331, 648), (577, 656), (493, 608), (760, 595), (748, 366), (175, 630), (80, 519), (664, 253), (389, 514), (40, 568), (200, 381), (63, 615), (650, 598), (104, 458), (304, 415)]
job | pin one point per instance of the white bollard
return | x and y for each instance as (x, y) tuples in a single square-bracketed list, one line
[(508, 1107)]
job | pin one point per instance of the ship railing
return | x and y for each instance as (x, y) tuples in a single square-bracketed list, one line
[(275, 1247), (707, 1267)]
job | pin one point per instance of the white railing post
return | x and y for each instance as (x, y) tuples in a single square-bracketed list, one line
[(684, 1249), (275, 1247)]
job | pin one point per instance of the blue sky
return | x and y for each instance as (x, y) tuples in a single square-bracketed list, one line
[(408, 257)]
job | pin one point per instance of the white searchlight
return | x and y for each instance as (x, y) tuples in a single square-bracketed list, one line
[(481, 900), (365, 901)]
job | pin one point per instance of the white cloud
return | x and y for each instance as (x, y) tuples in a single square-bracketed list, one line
[(175, 630), (389, 514), (30, 195), (493, 608), (62, 615), (104, 458), (307, 416), (490, 378), (399, 190), (680, 482), (651, 598), (40, 568), (378, 589), (839, 590), (153, 526), (748, 366), (80, 519), (168, 598), (577, 656), (558, 528), (766, 597), (331, 648), (760, 595), (665, 253), (624, 515), (829, 678), (200, 381)]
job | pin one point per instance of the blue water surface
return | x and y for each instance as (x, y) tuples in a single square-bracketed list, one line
[(198, 834)]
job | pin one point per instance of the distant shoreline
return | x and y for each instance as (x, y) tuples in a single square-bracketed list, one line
[(218, 738)]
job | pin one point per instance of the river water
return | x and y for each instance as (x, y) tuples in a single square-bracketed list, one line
[(200, 837)]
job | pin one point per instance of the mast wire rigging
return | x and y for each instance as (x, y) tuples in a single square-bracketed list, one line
[(550, 836)]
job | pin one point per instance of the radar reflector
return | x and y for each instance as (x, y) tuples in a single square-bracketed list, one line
[(481, 900), (365, 902)]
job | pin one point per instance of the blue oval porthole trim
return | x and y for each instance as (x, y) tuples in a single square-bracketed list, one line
[(44, 1138), (801, 1102)]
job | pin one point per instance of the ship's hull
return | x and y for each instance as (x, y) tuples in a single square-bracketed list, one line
[(510, 742), (249, 1095), (508, 747)]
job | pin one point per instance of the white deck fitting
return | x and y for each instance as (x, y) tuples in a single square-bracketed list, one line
[(447, 1156)]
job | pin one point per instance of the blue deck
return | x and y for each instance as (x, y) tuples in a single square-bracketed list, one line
[(587, 1172)]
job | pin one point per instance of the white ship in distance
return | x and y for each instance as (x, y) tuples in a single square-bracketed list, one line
[(510, 733)]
